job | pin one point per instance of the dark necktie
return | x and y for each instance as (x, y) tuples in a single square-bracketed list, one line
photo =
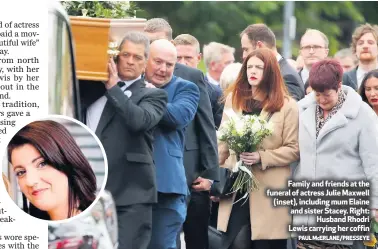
[(121, 83)]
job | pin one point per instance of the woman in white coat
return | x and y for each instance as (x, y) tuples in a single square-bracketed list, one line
[(338, 138)]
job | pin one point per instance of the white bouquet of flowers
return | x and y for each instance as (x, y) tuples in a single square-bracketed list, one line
[(243, 134)]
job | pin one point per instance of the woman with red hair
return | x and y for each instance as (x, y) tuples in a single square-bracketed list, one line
[(260, 89)]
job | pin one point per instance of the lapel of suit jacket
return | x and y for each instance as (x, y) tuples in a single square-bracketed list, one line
[(354, 76), (177, 68), (300, 74), (109, 110)]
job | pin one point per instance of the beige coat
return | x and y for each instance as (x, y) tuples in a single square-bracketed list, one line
[(277, 152)]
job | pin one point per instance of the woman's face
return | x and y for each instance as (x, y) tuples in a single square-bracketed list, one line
[(327, 99), (371, 91), (255, 70), (43, 185)]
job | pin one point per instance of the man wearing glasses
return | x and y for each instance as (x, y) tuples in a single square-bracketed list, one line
[(314, 48)]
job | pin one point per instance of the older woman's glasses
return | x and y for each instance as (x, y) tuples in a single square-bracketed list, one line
[(315, 48)]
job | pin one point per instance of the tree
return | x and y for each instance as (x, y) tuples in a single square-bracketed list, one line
[(334, 19), (223, 21)]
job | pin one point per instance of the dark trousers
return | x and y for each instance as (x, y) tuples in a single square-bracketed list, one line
[(197, 221), (134, 226), (269, 244), (243, 241)]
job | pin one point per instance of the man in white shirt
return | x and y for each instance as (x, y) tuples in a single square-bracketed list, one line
[(313, 48), (216, 57), (364, 45)]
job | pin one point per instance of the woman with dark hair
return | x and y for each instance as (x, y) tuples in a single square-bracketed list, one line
[(307, 87), (369, 89), (337, 139), (51, 170), (260, 89)]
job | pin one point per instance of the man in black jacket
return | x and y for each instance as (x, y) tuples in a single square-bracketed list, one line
[(124, 120), (201, 150), (365, 46), (259, 36), (188, 53)]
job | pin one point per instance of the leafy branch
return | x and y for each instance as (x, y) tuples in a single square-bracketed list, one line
[(101, 9)]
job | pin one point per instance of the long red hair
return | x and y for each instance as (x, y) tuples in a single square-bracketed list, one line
[(272, 89)]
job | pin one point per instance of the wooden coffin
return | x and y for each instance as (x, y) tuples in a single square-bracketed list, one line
[(91, 42)]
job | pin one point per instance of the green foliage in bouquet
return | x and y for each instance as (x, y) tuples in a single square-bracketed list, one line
[(373, 230), (100, 9), (244, 134)]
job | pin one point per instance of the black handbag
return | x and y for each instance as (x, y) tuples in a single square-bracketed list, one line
[(215, 238)]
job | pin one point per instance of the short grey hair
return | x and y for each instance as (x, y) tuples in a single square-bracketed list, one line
[(186, 39), (316, 32), (229, 75), (137, 38), (159, 25), (214, 52), (345, 53)]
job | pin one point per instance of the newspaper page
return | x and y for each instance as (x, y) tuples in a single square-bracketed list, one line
[(23, 91), (55, 59)]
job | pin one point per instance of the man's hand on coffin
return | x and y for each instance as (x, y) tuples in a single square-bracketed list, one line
[(113, 74)]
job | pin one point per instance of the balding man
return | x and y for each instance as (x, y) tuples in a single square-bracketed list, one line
[(169, 213), (201, 151)]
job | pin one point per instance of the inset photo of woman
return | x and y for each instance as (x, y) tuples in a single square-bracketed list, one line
[(55, 168)]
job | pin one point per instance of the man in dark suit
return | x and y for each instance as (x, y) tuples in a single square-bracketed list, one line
[(258, 36), (216, 57), (313, 48), (169, 213), (188, 53), (201, 150), (350, 78), (365, 46), (215, 95), (124, 120)]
